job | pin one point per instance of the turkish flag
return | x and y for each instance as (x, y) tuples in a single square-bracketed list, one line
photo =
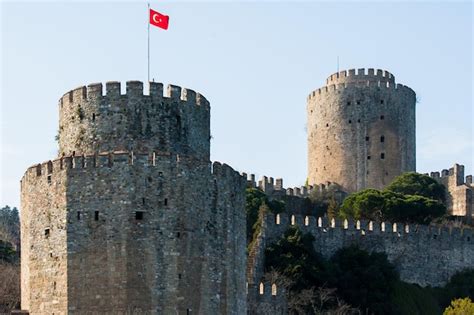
[(158, 19)]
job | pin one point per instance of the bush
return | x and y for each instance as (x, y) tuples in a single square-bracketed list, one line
[(418, 184), (460, 307)]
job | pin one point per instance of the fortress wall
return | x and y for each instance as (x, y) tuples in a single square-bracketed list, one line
[(92, 121), (267, 298), (361, 134), (459, 190), (175, 258), (43, 240), (425, 255)]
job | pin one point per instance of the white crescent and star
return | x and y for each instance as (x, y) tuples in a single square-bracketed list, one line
[(154, 18)]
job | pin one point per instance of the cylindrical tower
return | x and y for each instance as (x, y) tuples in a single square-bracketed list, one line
[(361, 130), (132, 217)]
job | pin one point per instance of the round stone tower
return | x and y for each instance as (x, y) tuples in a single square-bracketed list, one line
[(132, 217), (361, 130)]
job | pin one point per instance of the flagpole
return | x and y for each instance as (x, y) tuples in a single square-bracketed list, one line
[(148, 13)]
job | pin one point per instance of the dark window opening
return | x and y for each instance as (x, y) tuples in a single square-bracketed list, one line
[(150, 179), (350, 121), (386, 173), (468, 239), (160, 174), (358, 102), (96, 215), (381, 101), (368, 157), (327, 125), (382, 156), (166, 201), (139, 215), (358, 120), (367, 172), (178, 234), (348, 103), (49, 179), (188, 311), (382, 117), (93, 117), (46, 232), (179, 276), (78, 215), (435, 236), (382, 139), (366, 138), (143, 201)]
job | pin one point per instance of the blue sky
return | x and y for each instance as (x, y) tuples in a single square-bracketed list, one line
[(255, 61)]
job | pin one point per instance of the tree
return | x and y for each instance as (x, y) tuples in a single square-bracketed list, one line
[(364, 280), (460, 307), (418, 184), (379, 205), (9, 287), (294, 257)]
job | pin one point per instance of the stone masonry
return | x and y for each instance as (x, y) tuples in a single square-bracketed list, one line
[(361, 130), (133, 217)]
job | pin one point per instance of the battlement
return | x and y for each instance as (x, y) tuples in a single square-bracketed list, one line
[(363, 227), (376, 85), (353, 75), (269, 185), (95, 91), (455, 173)]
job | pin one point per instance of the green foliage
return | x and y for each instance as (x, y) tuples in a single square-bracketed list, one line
[(364, 280), (418, 184), (294, 257), (460, 285), (373, 204), (408, 299), (254, 199), (460, 307)]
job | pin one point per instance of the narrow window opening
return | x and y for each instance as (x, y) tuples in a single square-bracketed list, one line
[(350, 121), (150, 179), (386, 173), (382, 117), (49, 179), (366, 138), (468, 238), (143, 201), (382, 139), (348, 103), (178, 235), (93, 117), (358, 102), (96, 215), (166, 201), (46, 233), (179, 276), (274, 289), (382, 156), (327, 125), (139, 215), (78, 215), (381, 101), (73, 153), (358, 120), (368, 157), (188, 311)]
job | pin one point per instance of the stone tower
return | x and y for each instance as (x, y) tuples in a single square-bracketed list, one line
[(133, 217), (361, 130)]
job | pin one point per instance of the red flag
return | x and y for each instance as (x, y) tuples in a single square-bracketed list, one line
[(158, 19)]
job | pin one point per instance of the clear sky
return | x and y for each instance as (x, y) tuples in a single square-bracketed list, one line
[(255, 62)]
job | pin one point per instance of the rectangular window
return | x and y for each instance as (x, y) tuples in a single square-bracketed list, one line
[(78, 215), (368, 157), (46, 233), (366, 138), (96, 215), (382, 139), (139, 215), (166, 201), (49, 179), (382, 156)]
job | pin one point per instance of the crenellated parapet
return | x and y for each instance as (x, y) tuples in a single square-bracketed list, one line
[(267, 298), (92, 120), (360, 75), (442, 251), (459, 191)]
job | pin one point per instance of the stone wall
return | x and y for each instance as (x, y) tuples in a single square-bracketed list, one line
[(426, 255), (459, 191), (158, 230), (91, 121), (361, 130)]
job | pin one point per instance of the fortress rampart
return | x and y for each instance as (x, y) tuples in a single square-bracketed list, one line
[(132, 216), (459, 191), (361, 130), (91, 121)]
